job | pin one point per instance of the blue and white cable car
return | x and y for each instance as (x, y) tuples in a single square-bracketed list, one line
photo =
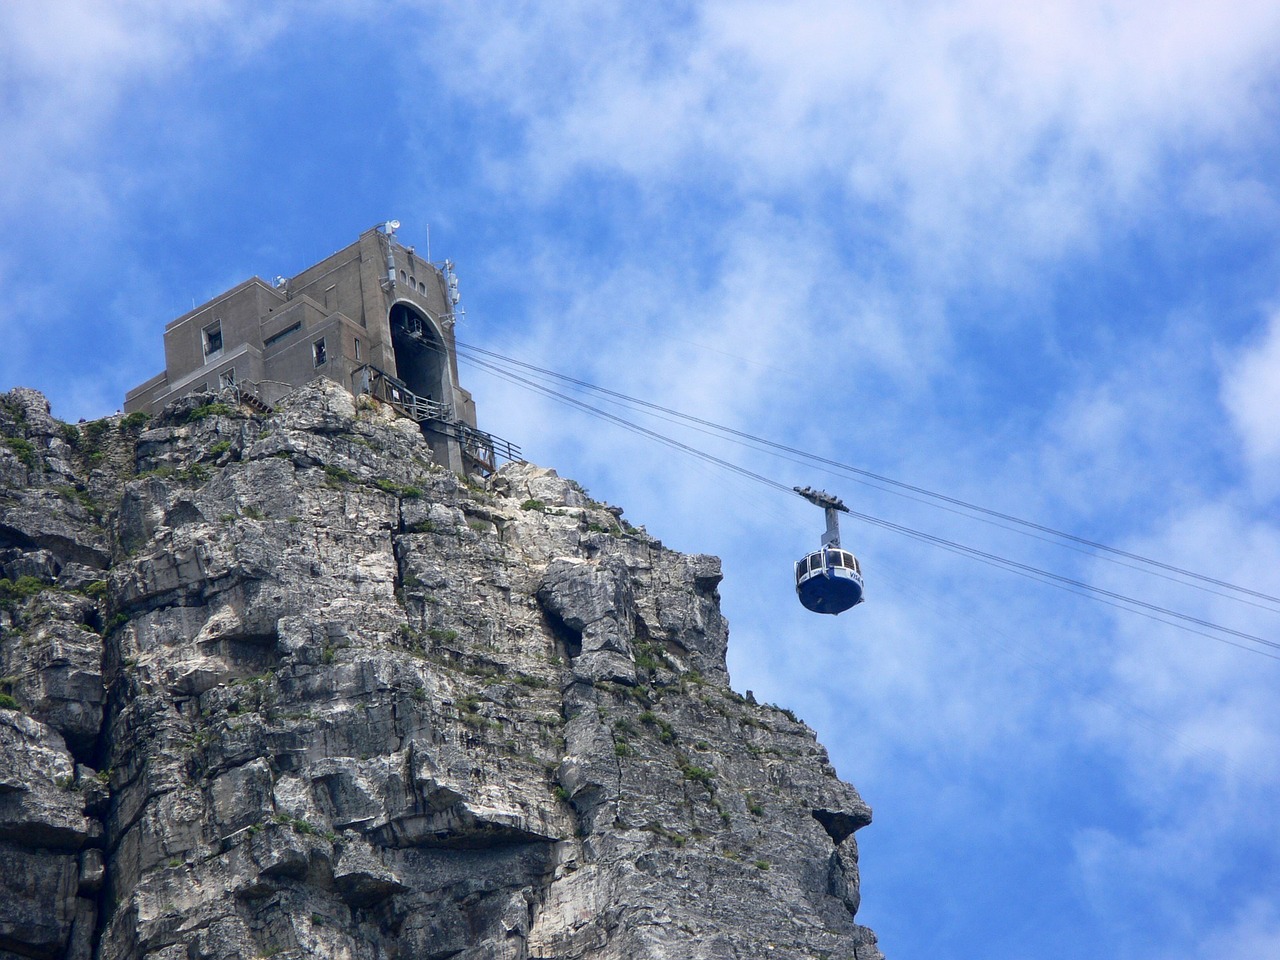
[(828, 580)]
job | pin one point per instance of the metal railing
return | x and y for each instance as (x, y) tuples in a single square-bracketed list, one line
[(479, 449), (394, 391)]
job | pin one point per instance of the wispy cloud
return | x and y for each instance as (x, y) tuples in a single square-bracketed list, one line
[(1251, 392), (966, 124)]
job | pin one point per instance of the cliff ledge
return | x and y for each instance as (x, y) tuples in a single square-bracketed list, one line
[(281, 687)]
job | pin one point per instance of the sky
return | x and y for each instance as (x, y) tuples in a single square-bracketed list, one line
[(1024, 255)]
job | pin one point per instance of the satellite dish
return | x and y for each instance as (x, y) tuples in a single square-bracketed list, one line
[(393, 225)]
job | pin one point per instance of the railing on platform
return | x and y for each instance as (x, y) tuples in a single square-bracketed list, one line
[(246, 393), (396, 392), (479, 449)]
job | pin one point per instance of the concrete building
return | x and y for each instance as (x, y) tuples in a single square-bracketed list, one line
[(375, 317)]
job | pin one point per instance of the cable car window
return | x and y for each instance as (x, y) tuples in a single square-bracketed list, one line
[(838, 560), (815, 562)]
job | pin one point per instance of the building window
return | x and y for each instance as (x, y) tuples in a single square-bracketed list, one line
[(317, 352), (227, 379), (357, 343), (276, 338), (212, 337)]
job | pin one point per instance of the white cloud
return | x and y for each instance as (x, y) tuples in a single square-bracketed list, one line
[(1251, 393), (71, 68), (993, 130), (1252, 931)]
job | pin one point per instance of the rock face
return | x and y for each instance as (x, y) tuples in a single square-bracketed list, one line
[(281, 687)]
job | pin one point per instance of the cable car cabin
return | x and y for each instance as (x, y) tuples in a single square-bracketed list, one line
[(829, 581)]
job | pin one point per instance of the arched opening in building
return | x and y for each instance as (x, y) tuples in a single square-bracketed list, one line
[(421, 359)]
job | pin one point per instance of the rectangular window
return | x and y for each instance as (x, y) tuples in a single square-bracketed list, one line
[(276, 338), (227, 379), (212, 336), (318, 353), (357, 340)]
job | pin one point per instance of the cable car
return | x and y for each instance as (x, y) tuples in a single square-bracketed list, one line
[(828, 580)]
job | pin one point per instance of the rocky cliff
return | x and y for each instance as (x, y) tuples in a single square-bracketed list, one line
[(281, 687)]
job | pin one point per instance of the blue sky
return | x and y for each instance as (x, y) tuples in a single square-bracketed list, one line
[(1023, 254)]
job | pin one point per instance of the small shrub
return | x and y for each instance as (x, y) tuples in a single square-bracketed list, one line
[(666, 733), (70, 434), (8, 703), (698, 774), (22, 588), (336, 476), (23, 450), (624, 727), (95, 430), (134, 422), (253, 513), (82, 497), (219, 448), (532, 504), (397, 489), (208, 410), (762, 864), (657, 829)]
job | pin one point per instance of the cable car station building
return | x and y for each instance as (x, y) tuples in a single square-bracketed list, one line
[(375, 317)]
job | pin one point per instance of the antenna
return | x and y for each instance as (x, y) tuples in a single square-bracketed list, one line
[(428, 243), (389, 228)]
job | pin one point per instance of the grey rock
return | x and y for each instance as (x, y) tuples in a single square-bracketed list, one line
[(288, 688)]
